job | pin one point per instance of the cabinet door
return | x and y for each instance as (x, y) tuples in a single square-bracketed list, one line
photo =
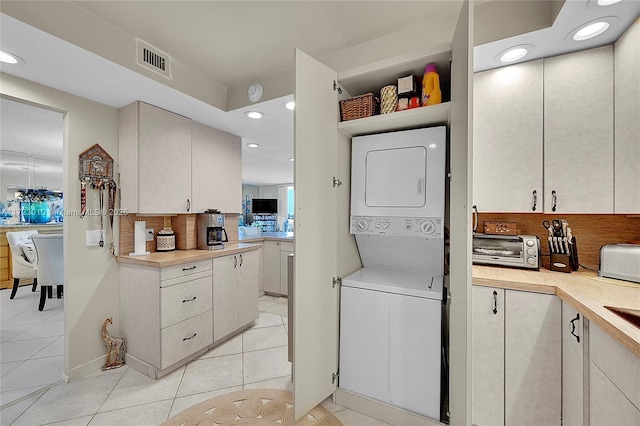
[(488, 356), (607, 404), (248, 264), (225, 296), (216, 170), (507, 138), (164, 161), (578, 132), (315, 304), (573, 339), (627, 120), (284, 268), (271, 267), (533, 358)]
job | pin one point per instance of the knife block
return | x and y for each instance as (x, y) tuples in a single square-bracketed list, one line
[(565, 262)]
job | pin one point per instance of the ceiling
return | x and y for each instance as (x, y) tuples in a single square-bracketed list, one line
[(235, 44)]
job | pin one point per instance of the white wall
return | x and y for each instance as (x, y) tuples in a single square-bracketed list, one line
[(91, 274)]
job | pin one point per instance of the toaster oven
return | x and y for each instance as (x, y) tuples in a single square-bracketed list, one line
[(517, 251)]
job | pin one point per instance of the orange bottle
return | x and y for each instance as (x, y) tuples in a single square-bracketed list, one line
[(431, 93)]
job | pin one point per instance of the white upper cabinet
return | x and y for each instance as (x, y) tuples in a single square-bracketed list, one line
[(155, 160), (578, 132), (170, 164), (627, 121), (216, 170), (507, 138)]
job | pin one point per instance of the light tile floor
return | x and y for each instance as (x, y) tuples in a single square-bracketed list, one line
[(256, 358)]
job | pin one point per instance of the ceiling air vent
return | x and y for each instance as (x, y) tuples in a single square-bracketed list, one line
[(153, 59)]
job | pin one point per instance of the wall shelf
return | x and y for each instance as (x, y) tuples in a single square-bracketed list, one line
[(400, 120)]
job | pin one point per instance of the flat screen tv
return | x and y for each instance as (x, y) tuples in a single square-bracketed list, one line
[(265, 205)]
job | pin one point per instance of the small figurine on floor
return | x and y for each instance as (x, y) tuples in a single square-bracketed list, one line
[(113, 344)]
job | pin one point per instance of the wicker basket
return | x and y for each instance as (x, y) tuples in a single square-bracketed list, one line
[(358, 107)]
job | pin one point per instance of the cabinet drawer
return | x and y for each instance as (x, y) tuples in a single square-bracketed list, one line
[(286, 246), (4, 251), (185, 300), (4, 263), (619, 364), (4, 274), (185, 269), (184, 338), (607, 404)]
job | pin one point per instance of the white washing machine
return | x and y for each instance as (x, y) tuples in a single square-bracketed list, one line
[(390, 338), (390, 310)]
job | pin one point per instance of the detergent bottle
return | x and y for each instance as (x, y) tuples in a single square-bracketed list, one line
[(431, 93)]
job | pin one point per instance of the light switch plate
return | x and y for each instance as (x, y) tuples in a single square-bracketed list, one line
[(92, 238), (149, 234)]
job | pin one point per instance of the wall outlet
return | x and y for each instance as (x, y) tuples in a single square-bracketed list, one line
[(149, 234), (92, 238)]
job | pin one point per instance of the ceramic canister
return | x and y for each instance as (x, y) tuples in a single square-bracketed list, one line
[(388, 99)]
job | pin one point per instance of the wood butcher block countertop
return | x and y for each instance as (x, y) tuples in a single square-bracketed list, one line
[(177, 257), (585, 291)]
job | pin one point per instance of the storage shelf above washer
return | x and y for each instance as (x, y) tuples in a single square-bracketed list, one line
[(431, 115)]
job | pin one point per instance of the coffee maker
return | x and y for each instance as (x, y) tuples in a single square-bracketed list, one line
[(211, 232)]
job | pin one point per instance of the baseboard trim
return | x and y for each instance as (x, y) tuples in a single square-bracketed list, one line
[(85, 369), (381, 411)]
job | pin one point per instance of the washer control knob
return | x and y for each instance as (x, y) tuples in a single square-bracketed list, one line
[(427, 227), (378, 225), (530, 243), (385, 225), (362, 225), (408, 226)]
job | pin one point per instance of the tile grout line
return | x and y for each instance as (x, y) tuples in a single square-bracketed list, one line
[(184, 371)]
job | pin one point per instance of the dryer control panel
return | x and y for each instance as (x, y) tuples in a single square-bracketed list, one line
[(422, 227)]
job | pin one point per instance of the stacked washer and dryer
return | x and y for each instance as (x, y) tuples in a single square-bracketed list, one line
[(390, 311)]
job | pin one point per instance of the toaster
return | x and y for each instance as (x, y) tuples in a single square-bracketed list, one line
[(621, 261)]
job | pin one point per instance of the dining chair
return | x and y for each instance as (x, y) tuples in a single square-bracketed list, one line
[(22, 267), (50, 265)]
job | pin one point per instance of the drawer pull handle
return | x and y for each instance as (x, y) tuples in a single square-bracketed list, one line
[(189, 300), (495, 303), (190, 269), (240, 260), (235, 261), (190, 337), (573, 327)]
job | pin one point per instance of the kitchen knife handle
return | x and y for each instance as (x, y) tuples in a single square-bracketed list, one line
[(534, 200), (573, 327), (554, 200), (495, 303)]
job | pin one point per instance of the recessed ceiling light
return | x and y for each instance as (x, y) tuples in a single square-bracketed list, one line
[(607, 2), (256, 115), (514, 53), (290, 105), (9, 58), (591, 30), (253, 145)]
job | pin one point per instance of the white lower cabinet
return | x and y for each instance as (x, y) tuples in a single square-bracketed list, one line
[(165, 314), (171, 315), (235, 292), (517, 361), (575, 364), (614, 381), (275, 266)]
